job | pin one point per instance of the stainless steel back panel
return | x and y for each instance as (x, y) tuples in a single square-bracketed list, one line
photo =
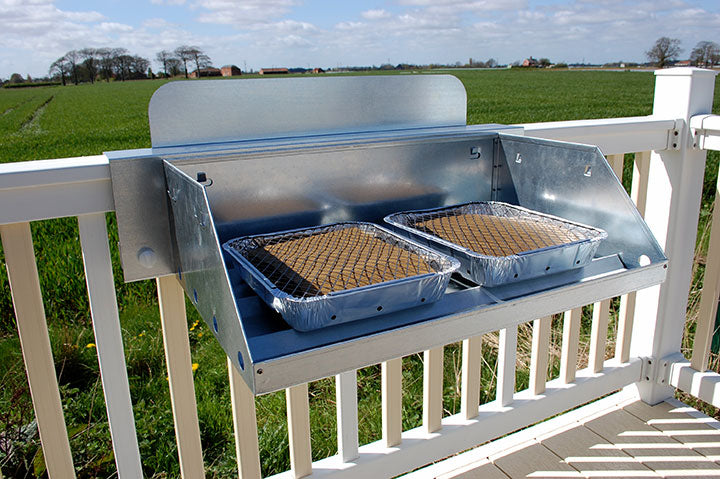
[(186, 113), (253, 194)]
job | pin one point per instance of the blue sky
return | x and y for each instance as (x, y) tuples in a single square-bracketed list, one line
[(326, 33)]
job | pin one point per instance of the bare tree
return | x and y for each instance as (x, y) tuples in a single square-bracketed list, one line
[(73, 57), (162, 58), (184, 55), (174, 66), (138, 67), (59, 67), (664, 51), (90, 62), (105, 61), (120, 60), (705, 54)]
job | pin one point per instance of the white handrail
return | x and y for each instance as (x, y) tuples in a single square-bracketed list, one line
[(41, 190), (612, 136)]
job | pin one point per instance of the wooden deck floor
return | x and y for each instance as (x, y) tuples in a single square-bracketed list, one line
[(617, 437)]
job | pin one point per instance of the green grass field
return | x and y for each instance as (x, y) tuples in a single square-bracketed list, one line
[(56, 122)]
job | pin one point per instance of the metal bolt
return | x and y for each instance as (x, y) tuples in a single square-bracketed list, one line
[(201, 177), (146, 257)]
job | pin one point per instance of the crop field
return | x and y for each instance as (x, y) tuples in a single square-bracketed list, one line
[(55, 122)]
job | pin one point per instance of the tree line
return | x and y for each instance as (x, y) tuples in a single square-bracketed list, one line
[(666, 50), (92, 64)]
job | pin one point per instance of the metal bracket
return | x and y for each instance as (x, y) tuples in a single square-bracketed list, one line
[(675, 135), (656, 371)]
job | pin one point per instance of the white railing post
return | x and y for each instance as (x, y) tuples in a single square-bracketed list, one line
[(35, 344), (673, 202), (108, 339)]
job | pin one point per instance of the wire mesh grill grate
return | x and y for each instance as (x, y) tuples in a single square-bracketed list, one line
[(322, 261), (495, 235)]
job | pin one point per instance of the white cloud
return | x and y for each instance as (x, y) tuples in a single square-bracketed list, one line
[(114, 27), (375, 14), (242, 13), (167, 2)]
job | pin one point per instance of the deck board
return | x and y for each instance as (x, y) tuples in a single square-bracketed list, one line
[(630, 439)]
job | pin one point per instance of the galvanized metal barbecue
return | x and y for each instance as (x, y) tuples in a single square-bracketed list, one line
[(241, 163)]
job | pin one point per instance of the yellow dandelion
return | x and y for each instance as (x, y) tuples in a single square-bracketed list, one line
[(141, 334), (195, 366), (200, 334), (90, 345)]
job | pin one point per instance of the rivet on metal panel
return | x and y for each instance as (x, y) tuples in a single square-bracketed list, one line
[(588, 171), (146, 257)]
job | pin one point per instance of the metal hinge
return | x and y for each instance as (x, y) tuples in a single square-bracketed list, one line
[(656, 371)]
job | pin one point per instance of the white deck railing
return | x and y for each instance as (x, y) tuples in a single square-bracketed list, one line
[(667, 179)]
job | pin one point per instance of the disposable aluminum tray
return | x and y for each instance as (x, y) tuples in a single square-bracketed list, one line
[(498, 243), (339, 273)]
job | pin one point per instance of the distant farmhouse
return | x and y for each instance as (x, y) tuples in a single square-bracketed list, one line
[(274, 71), (530, 62), (230, 71), (318, 70), (206, 72)]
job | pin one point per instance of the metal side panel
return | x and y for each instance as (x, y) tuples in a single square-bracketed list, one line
[(575, 182), (202, 269), (186, 113)]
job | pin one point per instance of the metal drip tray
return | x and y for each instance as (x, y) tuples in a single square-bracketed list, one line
[(285, 155)]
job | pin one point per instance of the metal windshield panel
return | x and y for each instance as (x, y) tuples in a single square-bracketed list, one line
[(187, 113)]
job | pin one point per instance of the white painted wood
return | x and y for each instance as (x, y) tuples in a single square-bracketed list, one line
[(457, 434), (392, 402), (598, 335), (710, 294), (35, 190), (470, 376), (245, 425), (180, 377), (347, 414), (109, 343), (613, 136), (626, 314), (507, 351), (570, 342), (539, 354), (702, 385), (616, 163), (706, 131), (298, 414), (36, 350), (674, 190), (432, 389)]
